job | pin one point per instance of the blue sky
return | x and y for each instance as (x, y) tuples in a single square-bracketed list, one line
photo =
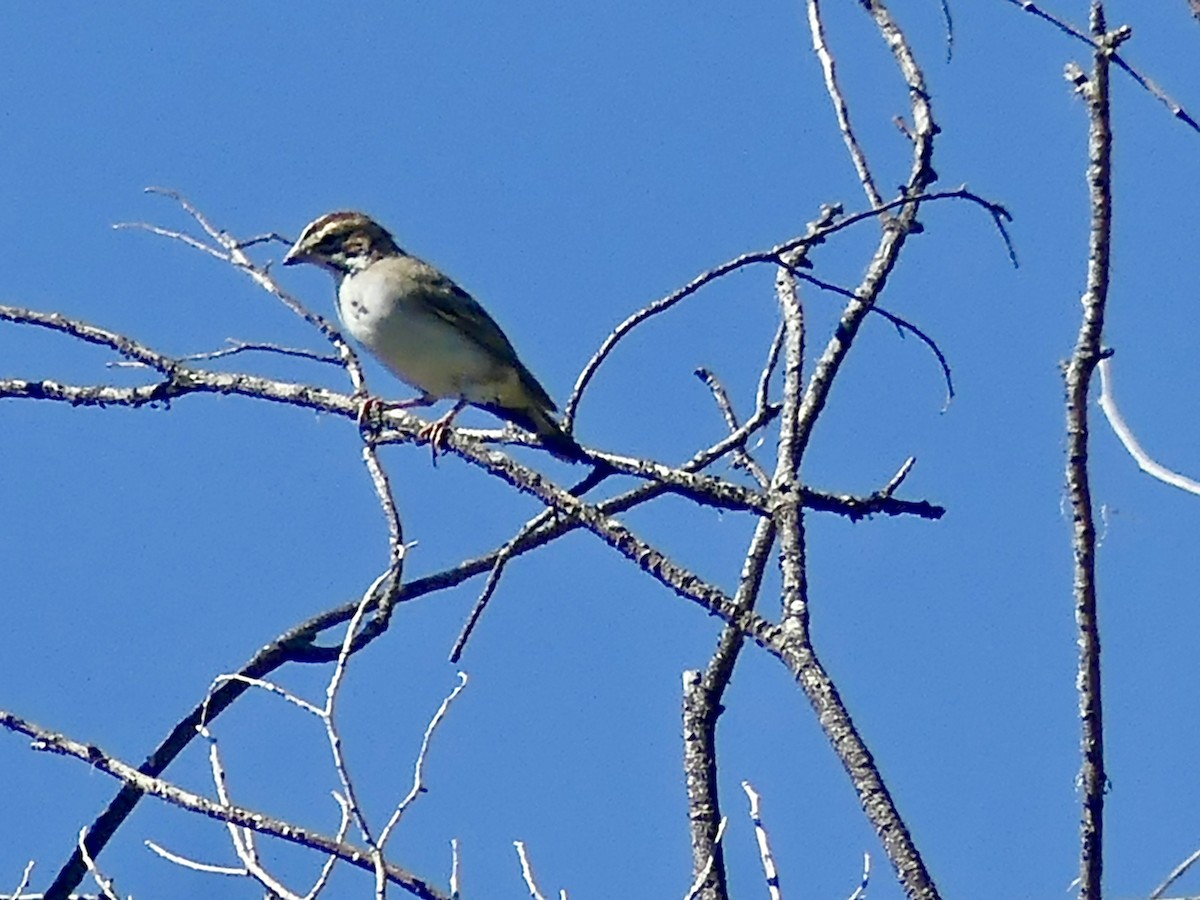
[(568, 165)]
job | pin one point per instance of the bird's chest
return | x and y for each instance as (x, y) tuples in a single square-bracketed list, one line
[(417, 345)]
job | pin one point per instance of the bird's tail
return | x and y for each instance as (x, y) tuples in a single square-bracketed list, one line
[(542, 423)]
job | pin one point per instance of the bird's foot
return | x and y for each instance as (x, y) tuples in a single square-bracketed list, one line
[(370, 418), (436, 432)]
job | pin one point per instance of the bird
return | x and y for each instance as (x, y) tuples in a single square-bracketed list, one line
[(428, 331)]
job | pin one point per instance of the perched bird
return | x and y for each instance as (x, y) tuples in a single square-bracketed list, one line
[(426, 329)]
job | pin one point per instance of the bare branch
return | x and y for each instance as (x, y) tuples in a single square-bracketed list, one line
[(860, 892), (24, 882), (904, 325), (764, 845), (829, 68), (127, 347), (144, 784), (418, 785), (455, 870), (1099, 45), (898, 479), (104, 883), (827, 224), (546, 526), (194, 865), (703, 693), (234, 251), (1086, 356), (527, 872), (503, 555), (707, 868), (741, 457), (800, 412), (384, 584), (895, 231), (174, 235), (706, 490), (1108, 403), (1179, 870), (396, 547), (251, 347), (297, 646)]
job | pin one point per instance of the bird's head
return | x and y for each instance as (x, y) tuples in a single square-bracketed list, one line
[(343, 242)]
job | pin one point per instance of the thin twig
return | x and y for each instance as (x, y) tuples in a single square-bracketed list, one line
[(252, 347), (194, 864), (268, 686), (103, 882), (1098, 45), (455, 870), (330, 859), (829, 67), (770, 870), (762, 395), (418, 785), (236, 253), (391, 513), (904, 325), (949, 20), (527, 872), (741, 456), (816, 234), (860, 892), (1108, 403), (174, 235), (1178, 871), (896, 480), (242, 838), (503, 555), (368, 600), (94, 756), (24, 882)]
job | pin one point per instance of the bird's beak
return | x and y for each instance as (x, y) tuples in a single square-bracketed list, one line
[(295, 255)]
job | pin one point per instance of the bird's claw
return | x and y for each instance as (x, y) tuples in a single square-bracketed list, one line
[(436, 434), (438, 431), (370, 417)]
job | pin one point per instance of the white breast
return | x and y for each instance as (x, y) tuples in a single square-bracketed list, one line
[(419, 347)]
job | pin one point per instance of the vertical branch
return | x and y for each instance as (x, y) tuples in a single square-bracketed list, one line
[(702, 694), (895, 229), (1079, 370), (801, 408), (700, 774), (799, 652), (396, 549)]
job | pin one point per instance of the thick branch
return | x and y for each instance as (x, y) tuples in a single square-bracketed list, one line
[(799, 416), (702, 707)]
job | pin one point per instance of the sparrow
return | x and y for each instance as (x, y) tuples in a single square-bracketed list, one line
[(427, 330)]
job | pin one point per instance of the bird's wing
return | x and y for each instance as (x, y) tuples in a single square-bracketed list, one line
[(458, 308)]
